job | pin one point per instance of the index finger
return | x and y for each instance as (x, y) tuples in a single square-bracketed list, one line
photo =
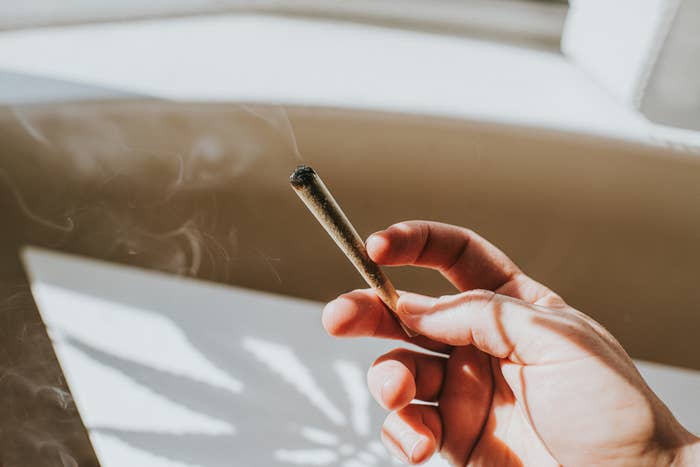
[(466, 259), (361, 313)]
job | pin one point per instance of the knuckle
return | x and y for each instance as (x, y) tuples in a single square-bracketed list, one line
[(401, 228), (477, 300), (442, 302), (480, 294)]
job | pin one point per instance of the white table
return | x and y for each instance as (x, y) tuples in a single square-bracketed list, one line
[(167, 371)]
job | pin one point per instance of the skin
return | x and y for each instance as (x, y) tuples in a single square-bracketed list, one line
[(524, 379)]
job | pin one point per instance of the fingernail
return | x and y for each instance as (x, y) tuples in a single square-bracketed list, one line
[(410, 441), (388, 389), (414, 304), (330, 304), (375, 242), (330, 307), (415, 449), (394, 448)]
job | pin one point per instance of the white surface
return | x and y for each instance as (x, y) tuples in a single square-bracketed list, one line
[(101, 321), (309, 407), (120, 404), (678, 388), (118, 453), (525, 20), (295, 61), (281, 359), (302, 400), (617, 42), (278, 60)]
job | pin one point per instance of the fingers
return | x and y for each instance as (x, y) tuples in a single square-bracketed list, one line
[(398, 377), (465, 401), (361, 313), (464, 398), (413, 433), (463, 257), (501, 326)]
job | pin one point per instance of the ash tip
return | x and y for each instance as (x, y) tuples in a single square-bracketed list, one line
[(301, 176)]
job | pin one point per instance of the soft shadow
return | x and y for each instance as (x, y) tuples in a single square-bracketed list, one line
[(608, 353), (277, 404)]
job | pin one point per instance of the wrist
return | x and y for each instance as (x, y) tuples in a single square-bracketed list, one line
[(688, 455)]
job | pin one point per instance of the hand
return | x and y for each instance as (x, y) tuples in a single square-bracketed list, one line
[(526, 380)]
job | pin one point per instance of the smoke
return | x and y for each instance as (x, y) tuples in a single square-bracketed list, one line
[(31, 130), (190, 246), (147, 183), (269, 261), (212, 148), (278, 118), (52, 395), (29, 446), (66, 227)]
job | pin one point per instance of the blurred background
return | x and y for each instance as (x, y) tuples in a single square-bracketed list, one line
[(155, 265), (521, 19)]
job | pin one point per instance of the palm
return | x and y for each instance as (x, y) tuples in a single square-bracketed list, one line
[(520, 417), (505, 435)]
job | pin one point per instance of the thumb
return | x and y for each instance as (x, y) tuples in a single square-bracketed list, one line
[(498, 325)]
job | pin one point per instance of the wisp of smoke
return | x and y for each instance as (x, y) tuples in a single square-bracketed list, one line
[(93, 152), (7, 181)]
